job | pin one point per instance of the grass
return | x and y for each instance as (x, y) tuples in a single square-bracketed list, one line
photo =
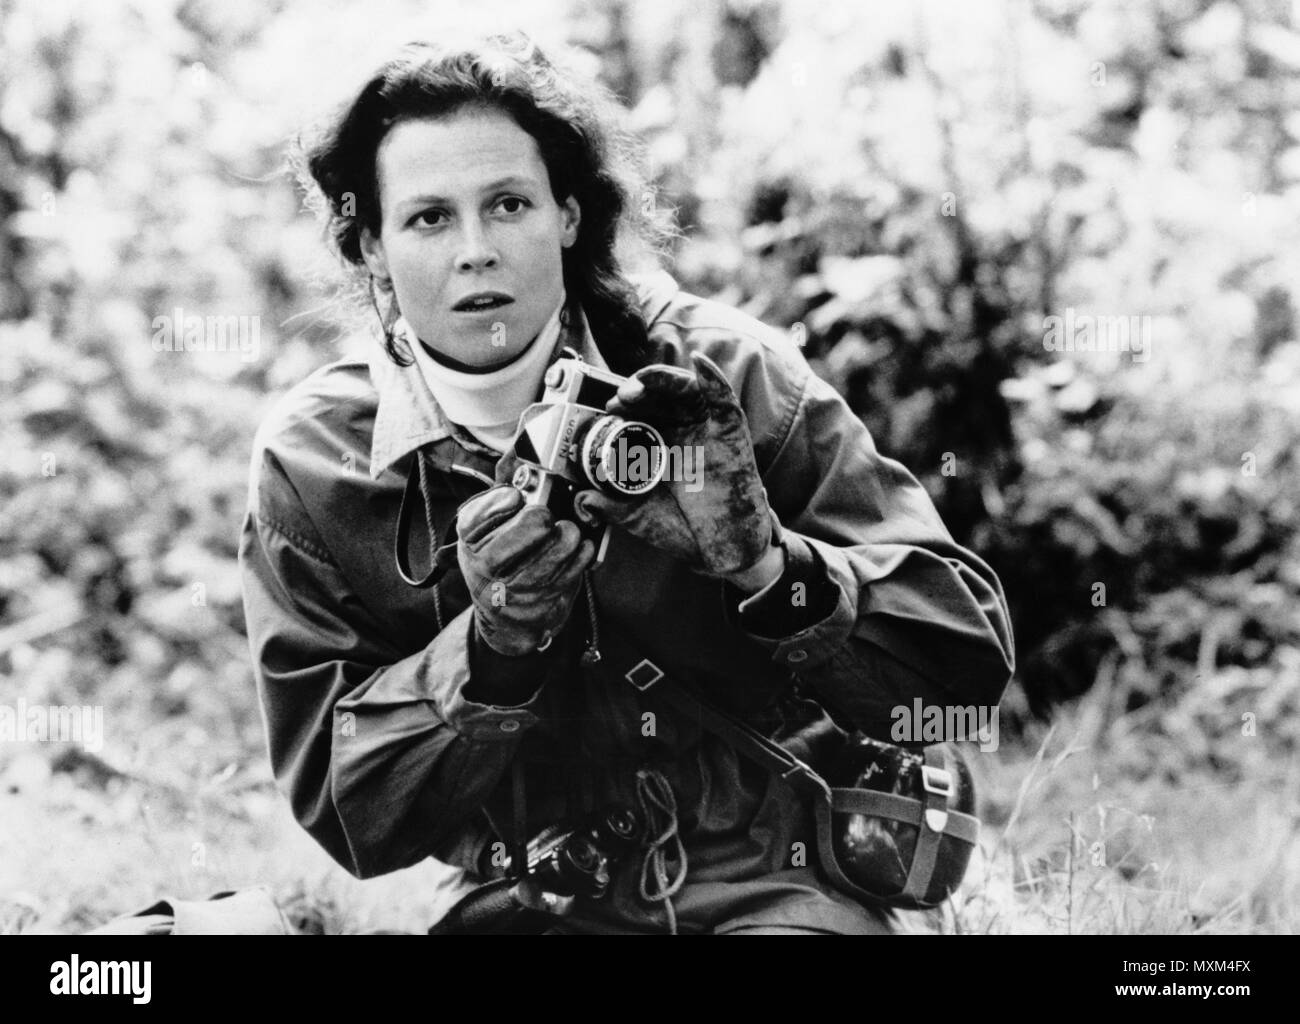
[(1075, 841), (79, 849), (1073, 845)]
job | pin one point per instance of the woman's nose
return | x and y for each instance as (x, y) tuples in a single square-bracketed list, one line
[(476, 249)]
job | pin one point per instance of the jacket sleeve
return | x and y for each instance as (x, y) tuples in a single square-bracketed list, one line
[(383, 757), (905, 612)]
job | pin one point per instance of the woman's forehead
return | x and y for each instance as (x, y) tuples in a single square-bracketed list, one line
[(457, 156)]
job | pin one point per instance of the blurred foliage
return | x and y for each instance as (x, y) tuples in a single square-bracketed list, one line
[(914, 195), (910, 195)]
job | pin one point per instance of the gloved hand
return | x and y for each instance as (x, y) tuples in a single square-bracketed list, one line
[(718, 522), (522, 569)]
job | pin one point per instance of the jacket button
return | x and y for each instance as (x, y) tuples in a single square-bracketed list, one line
[(510, 725), (794, 657)]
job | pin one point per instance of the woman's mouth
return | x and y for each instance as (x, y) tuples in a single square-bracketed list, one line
[(482, 302)]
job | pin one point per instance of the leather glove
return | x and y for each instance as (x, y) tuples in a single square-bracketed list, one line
[(522, 569), (718, 522)]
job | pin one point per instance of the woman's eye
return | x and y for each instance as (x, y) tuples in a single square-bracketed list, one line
[(426, 219), (512, 204)]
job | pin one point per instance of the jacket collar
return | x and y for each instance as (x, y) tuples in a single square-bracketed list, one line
[(409, 417)]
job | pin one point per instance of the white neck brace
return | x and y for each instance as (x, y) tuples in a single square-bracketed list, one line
[(488, 404)]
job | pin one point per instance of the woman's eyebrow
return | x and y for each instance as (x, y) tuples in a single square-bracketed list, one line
[(516, 180)]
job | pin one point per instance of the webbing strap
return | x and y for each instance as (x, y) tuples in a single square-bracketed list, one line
[(909, 811), (745, 739), (933, 823), (830, 866)]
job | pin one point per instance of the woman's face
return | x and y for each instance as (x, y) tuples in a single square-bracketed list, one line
[(467, 209)]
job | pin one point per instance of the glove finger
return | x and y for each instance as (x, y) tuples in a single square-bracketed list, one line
[(549, 563), (594, 507), (713, 382), (484, 512), (668, 395), (580, 561), (544, 608), (501, 552), (664, 379), (560, 587)]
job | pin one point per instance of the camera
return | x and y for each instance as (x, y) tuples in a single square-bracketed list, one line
[(567, 442), (574, 859), (564, 864), (577, 861)]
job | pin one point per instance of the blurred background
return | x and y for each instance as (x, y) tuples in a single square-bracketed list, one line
[(1049, 251)]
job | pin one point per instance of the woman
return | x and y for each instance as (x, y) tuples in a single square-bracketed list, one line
[(483, 194)]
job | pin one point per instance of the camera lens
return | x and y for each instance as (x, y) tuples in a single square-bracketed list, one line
[(621, 823), (583, 854), (582, 868), (622, 456)]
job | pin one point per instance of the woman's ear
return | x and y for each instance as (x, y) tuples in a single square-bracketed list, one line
[(570, 218), (372, 251)]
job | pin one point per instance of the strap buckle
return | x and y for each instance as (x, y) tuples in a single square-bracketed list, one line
[(936, 780)]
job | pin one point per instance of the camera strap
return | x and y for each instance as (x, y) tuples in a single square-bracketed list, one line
[(519, 820), (441, 558)]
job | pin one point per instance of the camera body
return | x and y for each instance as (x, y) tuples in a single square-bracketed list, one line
[(575, 859), (567, 442), (577, 862), (563, 864)]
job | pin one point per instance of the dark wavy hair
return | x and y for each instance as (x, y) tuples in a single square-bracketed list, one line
[(578, 126)]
